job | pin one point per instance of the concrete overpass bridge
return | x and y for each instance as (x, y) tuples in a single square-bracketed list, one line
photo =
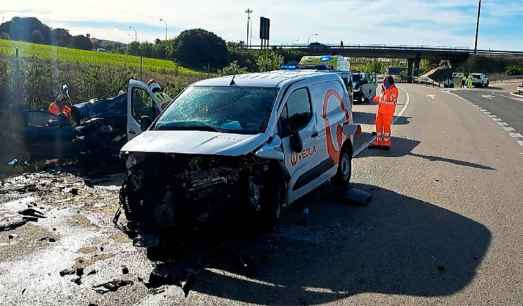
[(413, 54)]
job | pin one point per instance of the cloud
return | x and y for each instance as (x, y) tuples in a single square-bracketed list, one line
[(413, 22)]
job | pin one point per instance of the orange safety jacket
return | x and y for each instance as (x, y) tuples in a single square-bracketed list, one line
[(387, 100), (55, 110)]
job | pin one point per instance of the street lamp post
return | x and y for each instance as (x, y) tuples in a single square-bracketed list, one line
[(165, 22), (135, 33), (477, 29), (248, 12)]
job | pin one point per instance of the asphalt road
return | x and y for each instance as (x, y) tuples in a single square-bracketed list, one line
[(444, 227), (498, 103)]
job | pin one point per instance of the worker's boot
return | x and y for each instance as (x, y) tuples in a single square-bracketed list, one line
[(377, 142), (386, 144)]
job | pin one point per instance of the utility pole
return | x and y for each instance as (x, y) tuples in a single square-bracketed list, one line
[(135, 33), (477, 29), (165, 22), (248, 12)]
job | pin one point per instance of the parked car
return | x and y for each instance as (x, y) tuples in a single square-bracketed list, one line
[(364, 86), (249, 144), (479, 80)]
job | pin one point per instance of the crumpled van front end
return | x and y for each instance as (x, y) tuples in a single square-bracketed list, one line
[(197, 165)]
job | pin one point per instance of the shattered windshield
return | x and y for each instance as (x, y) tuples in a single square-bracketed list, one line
[(243, 110)]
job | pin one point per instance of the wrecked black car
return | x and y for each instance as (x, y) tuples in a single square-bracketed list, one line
[(97, 128)]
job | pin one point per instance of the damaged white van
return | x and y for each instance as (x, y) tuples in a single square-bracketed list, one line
[(251, 143)]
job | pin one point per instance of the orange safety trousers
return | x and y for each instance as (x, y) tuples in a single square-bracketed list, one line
[(387, 106)]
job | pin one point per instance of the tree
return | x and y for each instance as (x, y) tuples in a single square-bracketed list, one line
[(37, 37), (81, 42), (199, 48), (268, 61), (60, 37), (24, 29)]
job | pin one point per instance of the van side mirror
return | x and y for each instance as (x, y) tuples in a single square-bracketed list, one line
[(145, 122), (295, 142)]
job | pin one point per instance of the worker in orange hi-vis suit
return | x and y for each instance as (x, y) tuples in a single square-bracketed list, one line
[(386, 106)]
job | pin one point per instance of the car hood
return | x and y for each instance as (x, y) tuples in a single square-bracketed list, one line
[(195, 142)]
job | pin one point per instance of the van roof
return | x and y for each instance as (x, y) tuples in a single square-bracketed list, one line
[(278, 78)]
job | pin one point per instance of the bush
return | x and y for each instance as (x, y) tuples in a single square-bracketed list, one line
[(233, 68), (198, 48), (515, 70), (268, 61), (81, 42)]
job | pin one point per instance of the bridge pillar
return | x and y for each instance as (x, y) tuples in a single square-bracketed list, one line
[(410, 69), (417, 62), (413, 67)]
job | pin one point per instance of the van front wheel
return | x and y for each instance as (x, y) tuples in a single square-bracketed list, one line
[(343, 175)]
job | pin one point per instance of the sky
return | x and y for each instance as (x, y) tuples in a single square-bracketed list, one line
[(449, 23)]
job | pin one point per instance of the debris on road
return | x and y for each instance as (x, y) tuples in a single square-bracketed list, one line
[(356, 196), (67, 272), (31, 212), (7, 224), (13, 162), (111, 286), (50, 239)]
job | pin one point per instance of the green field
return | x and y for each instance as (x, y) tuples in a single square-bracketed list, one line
[(69, 55)]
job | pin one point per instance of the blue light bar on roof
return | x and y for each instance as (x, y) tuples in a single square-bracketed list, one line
[(325, 58), (288, 67)]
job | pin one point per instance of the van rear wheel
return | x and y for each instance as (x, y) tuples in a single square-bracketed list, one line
[(343, 175)]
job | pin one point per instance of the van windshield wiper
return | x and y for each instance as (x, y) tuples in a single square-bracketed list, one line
[(187, 126)]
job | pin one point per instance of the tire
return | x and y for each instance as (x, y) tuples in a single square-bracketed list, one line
[(270, 207), (344, 172)]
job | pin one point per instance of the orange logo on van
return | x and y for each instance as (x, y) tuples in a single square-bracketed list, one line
[(334, 145)]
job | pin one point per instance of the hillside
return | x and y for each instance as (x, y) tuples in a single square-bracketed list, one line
[(77, 56)]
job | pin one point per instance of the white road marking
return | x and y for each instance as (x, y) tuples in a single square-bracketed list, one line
[(504, 125), (366, 145), (432, 96), (518, 97)]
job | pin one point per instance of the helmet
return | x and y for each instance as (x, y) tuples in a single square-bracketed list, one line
[(388, 82), (154, 86)]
